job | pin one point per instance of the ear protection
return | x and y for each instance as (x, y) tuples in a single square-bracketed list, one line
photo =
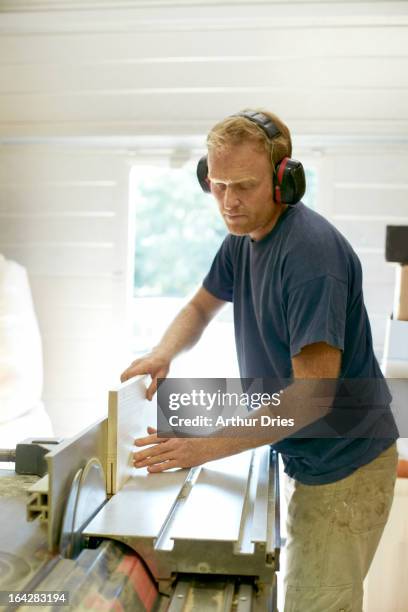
[(289, 181)]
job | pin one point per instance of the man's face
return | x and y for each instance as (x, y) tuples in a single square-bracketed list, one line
[(241, 182)]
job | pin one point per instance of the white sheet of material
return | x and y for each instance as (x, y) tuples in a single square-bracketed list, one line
[(21, 368), (129, 415)]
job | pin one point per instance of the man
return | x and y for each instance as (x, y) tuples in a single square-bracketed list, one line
[(295, 283)]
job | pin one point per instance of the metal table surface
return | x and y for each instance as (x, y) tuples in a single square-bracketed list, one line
[(221, 521), (221, 518)]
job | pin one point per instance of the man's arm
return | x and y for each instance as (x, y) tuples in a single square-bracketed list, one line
[(183, 333), (315, 361), (319, 360)]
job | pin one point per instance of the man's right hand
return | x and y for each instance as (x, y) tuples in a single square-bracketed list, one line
[(154, 364)]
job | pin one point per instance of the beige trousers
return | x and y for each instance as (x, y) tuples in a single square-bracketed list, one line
[(333, 532)]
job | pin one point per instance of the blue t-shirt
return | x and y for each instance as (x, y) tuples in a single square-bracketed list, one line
[(300, 284)]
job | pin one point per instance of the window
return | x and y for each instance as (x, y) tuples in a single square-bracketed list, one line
[(178, 231)]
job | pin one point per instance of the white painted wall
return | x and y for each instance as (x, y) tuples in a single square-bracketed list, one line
[(63, 215), (174, 67), (87, 88), (362, 189)]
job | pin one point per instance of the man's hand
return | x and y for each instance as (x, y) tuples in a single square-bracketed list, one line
[(166, 453), (154, 363)]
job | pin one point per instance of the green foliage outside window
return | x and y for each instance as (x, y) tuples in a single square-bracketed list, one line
[(178, 231)]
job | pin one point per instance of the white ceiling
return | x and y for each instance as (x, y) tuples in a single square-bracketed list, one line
[(97, 68)]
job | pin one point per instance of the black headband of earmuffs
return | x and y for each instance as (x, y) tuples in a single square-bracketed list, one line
[(289, 182)]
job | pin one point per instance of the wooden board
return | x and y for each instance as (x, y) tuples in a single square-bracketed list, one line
[(129, 414)]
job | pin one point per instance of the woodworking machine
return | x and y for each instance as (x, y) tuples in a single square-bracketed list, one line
[(117, 538)]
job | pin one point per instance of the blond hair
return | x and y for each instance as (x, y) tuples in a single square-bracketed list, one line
[(236, 130)]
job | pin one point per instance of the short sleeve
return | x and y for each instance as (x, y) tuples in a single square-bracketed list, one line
[(220, 279), (316, 312)]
